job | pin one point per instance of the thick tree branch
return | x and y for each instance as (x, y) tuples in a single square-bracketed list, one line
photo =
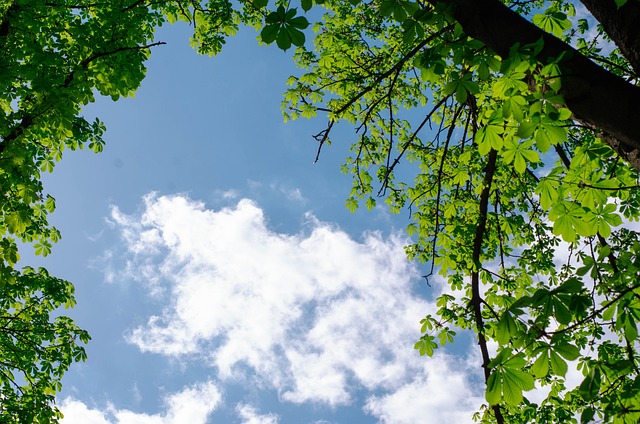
[(597, 98)]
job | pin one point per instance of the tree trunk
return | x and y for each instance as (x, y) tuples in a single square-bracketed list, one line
[(596, 97)]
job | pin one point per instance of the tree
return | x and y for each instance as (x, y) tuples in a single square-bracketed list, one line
[(509, 131), (56, 55)]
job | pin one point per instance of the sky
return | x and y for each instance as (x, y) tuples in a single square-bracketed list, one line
[(219, 273)]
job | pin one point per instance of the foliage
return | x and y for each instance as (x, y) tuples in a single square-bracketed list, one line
[(56, 56), (35, 350), (519, 198)]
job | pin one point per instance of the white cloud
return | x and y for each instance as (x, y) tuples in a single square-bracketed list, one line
[(228, 194), (429, 398), (76, 412), (291, 194), (316, 316), (278, 188), (191, 405), (250, 415)]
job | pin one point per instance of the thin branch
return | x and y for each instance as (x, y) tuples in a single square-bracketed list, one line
[(414, 135), (391, 122), (476, 299), (322, 137), (597, 311), (394, 68), (90, 59)]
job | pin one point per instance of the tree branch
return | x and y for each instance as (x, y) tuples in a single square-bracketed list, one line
[(476, 299), (395, 68), (597, 98)]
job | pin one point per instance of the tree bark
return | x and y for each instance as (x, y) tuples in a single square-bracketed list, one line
[(599, 99)]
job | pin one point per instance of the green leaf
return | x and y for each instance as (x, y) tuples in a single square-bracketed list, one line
[(558, 365), (507, 381), (630, 328), (42, 248), (526, 129), (427, 324), (513, 383), (507, 328), (565, 114), (609, 312), (553, 22), (502, 356), (296, 36), (275, 17), (561, 312), (289, 14), (461, 94), (426, 345), (371, 203), (446, 336), (352, 204), (50, 204), (510, 84), (269, 33), (393, 7), (16, 223), (547, 192), (587, 415), (568, 221), (490, 136), (514, 106), (590, 386), (493, 392), (519, 154), (283, 40), (299, 22), (548, 135), (283, 27), (572, 285), (540, 367)]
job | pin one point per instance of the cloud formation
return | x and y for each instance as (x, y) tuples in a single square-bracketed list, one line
[(192, 405), (250, 415), (316, 316)]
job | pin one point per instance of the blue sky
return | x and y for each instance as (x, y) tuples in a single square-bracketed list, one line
[(221, 276)]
